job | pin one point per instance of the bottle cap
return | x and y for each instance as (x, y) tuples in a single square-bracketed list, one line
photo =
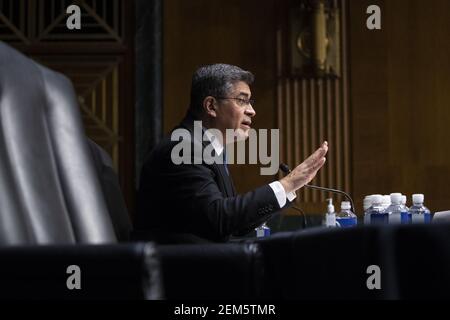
[(396, 198), (403, 199), (367, 203), (377, 199), (345, 205), (386, 200), (417, 198)]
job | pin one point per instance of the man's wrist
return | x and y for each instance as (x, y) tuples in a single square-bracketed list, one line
[(287, 185)]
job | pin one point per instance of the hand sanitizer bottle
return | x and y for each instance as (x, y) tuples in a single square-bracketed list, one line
[(330, 216)]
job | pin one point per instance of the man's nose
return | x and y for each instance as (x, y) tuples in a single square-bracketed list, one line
[(250, 111)]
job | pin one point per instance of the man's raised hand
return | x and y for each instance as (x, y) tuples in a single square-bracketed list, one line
[(306, 171)]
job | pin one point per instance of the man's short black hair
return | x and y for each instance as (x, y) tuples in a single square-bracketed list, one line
[(215, 80)]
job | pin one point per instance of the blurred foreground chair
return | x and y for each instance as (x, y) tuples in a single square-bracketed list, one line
[(319, 263), (60, 203), (226, 271)]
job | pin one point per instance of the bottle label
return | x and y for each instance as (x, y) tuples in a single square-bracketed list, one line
[(399, 218), (379, 218), (347, 222), (395, 218), (405, 218), (421, 218)]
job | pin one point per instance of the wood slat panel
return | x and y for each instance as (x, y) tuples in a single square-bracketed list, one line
[(310, 111), (400, 100)]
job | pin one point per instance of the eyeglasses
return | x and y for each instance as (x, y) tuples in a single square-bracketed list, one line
[(240, 101)]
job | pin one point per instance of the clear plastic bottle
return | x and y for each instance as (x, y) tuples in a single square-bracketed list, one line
[(262, 231), (386, 202), (396, 212), (375, 214), (405, 209), (419, 213), (403, 202), (346, 218), (367, 203)]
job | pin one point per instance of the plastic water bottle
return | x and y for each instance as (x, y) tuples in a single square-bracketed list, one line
[(330, 216), (386, 202), (367, 203), (346, 218), (405, 208), (376, 214), (396, 212), (403, 202), (262, 231), (419, 213)]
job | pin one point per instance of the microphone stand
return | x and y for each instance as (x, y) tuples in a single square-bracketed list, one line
[(302, 213), (285, 168), (333, 190)]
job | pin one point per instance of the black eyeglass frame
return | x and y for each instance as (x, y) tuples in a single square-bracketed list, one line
[(243, 102)]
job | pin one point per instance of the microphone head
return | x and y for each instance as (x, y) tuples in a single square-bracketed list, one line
[(285, 168)]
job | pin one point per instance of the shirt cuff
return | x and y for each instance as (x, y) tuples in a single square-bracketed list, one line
[(280, 193)]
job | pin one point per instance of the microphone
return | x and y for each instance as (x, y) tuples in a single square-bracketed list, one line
[(285, 169)]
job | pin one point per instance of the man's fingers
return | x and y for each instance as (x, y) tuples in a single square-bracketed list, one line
[(316, 166), (318, 154), (304, 173), (315, 158), (315, 161), (320, 164)]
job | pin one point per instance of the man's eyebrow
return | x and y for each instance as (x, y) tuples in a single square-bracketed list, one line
[(245, 94)]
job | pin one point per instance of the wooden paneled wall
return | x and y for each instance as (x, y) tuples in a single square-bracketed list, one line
[(311, 110), (400, 92)]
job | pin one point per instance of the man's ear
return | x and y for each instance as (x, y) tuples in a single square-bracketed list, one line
[(209, 106)]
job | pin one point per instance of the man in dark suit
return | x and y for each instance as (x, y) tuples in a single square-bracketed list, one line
[(195, 201)]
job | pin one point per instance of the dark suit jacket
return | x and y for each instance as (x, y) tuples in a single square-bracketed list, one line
[(179, 203)]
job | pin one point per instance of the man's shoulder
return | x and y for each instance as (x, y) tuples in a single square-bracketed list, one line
[(161, 150), (172, 145), (165, 144)]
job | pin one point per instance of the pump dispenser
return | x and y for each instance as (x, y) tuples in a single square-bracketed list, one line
[(330, 217)]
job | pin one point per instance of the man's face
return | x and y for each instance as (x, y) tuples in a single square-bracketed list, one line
[(235, 112)]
